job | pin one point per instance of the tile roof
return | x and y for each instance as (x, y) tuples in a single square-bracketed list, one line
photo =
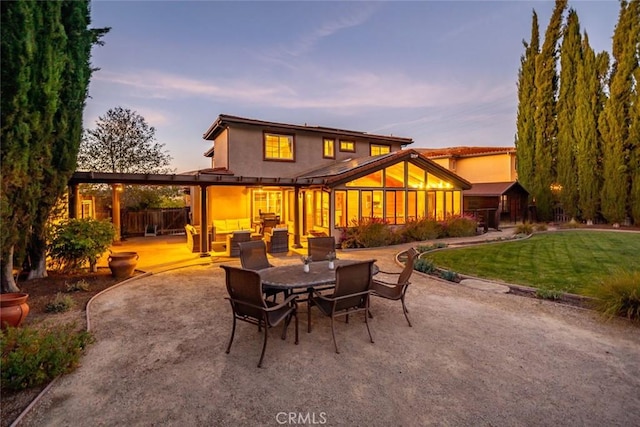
[(346, 170), (464, 151), (492, 188), (223, 121)]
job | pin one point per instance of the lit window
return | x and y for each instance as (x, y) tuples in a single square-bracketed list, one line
[(349, 146), (267, 201), (278, 147), (329, 148), (377, 149)]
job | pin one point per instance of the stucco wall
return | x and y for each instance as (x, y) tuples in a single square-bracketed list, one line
[(494, 168), (246, 153)]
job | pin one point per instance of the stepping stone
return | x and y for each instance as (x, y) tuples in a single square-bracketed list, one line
[(485, 286)]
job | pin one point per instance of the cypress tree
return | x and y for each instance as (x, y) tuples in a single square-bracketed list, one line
[(63, 144), (634, 161), (546, 82), (44, 60), (570, 58), (526, 134), (17, 55), (634, 129), (615, 119), (589, 92)]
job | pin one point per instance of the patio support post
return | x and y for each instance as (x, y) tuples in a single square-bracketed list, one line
[(296, 218), (116, 189), (204, 229), (74, 201)]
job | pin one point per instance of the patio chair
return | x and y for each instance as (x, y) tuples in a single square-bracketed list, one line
[(248, 305), (396, 291), (278, 241), (319, 247), (233, 242), (253, 256), (269, 223), (351, 295)]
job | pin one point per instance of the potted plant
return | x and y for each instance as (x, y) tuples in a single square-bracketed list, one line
[(331, 256), (306, 260), (13, 309)]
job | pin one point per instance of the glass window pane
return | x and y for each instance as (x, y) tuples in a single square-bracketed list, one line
[(340, 213), (377, 149), (366, 204), (372, 180), (416, 176), (422, 207), (394, 175), (329, 148), (353, 207), (347, 146), (411, 206), (433, 182), (377, 204), (431, 205), (278, 146), (440, 205), (456, 202), (400, 212), (390, 207)]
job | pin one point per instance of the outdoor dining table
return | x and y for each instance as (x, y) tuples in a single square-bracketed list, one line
[(293, 279)]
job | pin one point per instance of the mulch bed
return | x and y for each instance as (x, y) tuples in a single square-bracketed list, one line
[(41, 292)]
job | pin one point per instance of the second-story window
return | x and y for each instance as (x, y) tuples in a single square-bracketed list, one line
[(378, 149), (349, 146), (329, 148), (278, 147)]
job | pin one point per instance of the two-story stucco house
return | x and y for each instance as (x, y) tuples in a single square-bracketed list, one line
[(317, 180)]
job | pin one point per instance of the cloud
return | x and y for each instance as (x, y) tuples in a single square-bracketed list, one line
[(339, 90), (357, 15)]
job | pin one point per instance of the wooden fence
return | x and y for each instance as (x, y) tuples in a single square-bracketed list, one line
[(164, 221)]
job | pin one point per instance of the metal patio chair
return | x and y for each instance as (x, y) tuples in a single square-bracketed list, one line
[(320, 247), (248, 305), (351, 295), (396, 291)]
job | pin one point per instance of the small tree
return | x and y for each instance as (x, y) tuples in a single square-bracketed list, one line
[(77, 242), (122, 142)]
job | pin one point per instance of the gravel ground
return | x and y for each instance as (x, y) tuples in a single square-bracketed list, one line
[(472, 358)]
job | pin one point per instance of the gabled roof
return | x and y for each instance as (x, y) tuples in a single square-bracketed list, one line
[(433, 153), (347, 170), (224, 120), (488, 189)]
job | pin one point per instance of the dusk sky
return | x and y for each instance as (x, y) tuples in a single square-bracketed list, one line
[(441, 72)]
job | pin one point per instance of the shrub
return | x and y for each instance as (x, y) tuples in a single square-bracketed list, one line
[(369, 233), (59, 304), (547, 293), (422, 229), (541, 226), (80, 285), (524, 228), (79, 241), (460, 226), (31, 357), (424, 265), (618, 295), (427, 248), (451, 276)]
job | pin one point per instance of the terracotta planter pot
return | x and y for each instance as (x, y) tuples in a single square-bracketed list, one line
[(13, 309), (122, 264)]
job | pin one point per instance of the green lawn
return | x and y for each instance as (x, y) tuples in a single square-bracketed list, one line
[(564, 261)]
